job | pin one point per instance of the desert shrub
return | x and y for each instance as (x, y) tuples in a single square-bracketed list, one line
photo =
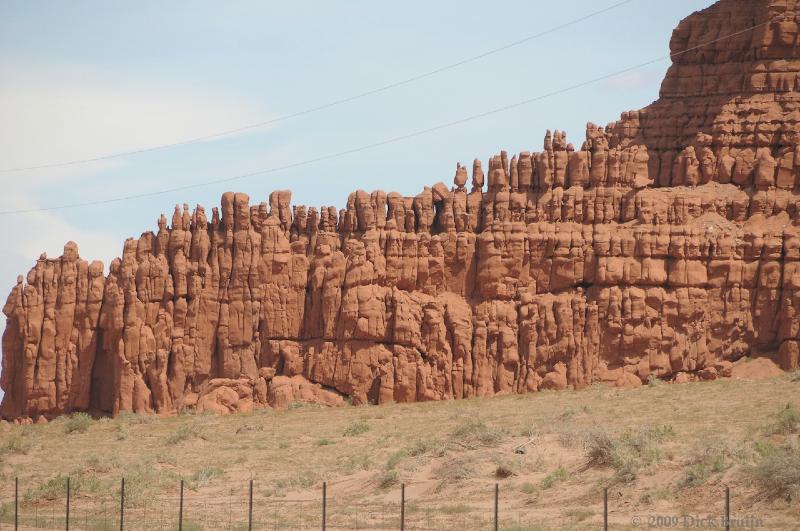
[(352, 463), (578, 515), (457, 469), (427, 447), (55, 488), (567, 413), (711, 460), (474, 434), (244, 428), (395, 458), (556, 476), (101, 463), (787, 421), (454, 509), (764, 448), (17, 443), (324, 442), (203, 476), (184, 433), (655, 495), (142, 478), (306, 479), (356, 428), (601, 449), (388, 478), (653, 380), (51, 489), (629, 452), (505, 468), (7, 510), (302, 405), (528, 488), (777, 473), (77, 423), (571, 438), (695, 474)]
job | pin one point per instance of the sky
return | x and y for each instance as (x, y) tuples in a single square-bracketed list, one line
[(86, 79)]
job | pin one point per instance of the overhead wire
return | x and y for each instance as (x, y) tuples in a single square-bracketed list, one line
[(392, 139), (310, 110)]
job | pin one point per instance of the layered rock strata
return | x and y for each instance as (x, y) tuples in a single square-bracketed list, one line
[(667, 245)]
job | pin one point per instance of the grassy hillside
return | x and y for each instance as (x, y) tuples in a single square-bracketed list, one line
[(663, 449)]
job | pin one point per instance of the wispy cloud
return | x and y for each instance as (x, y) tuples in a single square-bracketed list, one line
[(38, 232), (54, 112)]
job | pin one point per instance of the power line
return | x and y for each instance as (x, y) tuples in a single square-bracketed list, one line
[(389, 140), (324, 106)]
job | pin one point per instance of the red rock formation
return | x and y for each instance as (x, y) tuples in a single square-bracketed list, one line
[(668, 244)]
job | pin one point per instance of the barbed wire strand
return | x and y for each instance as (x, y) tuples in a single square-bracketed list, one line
[(324, 106), (392, 140)]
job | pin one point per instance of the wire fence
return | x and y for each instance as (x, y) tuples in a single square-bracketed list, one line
[(241, 508)]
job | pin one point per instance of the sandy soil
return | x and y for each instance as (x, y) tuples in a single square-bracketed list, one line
[(665, 450)]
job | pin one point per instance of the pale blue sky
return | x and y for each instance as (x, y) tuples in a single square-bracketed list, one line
[(82, 79)]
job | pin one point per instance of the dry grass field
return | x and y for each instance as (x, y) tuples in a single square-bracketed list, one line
[(661, 450)]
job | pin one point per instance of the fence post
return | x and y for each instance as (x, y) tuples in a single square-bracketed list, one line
[(122, 505), (16, 503), (324, 503), (727, 508), (180, 510), (605, 509), (402, 507), (496, 506), (68, 489), (250, 509)]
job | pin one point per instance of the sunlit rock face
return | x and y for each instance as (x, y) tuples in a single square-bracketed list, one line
[(667, 244)]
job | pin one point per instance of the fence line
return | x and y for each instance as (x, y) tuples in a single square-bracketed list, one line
[(257, 516)]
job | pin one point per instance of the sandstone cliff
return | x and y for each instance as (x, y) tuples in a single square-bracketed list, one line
[(668, 244)]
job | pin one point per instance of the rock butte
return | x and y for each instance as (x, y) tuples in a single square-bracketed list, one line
[(667, 245)]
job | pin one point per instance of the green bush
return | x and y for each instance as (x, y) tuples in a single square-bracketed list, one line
[(505, 467), (777, 473), (653, 380), (354, 462), (184, 433), (77, 423), (475, 433), (764, 448), (55, 488), (695, 474), (142, 478), (787, 421), (457, 469), (356, 428), (388, 478), (52, 489), (556, 476), (629, 452), (395, 458), (203, 476), (712, 460), (17, 443), (427, 446)]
